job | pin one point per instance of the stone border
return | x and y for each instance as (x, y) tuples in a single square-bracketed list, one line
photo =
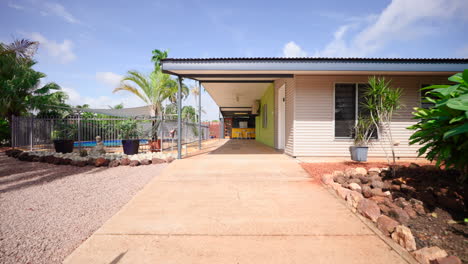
[(109, 160), (363, 192)]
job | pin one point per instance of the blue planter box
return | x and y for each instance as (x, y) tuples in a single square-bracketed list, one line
[(358, 153)]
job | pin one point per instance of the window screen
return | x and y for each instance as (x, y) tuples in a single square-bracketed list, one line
[(345, 109)]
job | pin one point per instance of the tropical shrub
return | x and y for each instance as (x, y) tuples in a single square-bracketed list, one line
[(363, 131), (128, 129), (443, 129), (382, 100)]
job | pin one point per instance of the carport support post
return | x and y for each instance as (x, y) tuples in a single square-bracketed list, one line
[(199, 116), (179, 117)]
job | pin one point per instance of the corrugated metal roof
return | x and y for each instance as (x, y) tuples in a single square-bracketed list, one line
[(320, 59)]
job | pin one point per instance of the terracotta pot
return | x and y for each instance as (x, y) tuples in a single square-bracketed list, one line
[(155, 145)]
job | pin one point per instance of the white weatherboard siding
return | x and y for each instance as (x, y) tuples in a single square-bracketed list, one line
[(289, 115), (311, 132)]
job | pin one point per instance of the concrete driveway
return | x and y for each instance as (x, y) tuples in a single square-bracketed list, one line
[(241, 203)]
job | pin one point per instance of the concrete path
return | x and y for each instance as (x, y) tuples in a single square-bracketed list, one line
[(241, 203)]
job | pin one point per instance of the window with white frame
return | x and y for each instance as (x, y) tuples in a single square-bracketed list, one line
[(349, 98)]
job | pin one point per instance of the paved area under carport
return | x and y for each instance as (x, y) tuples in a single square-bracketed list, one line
[(241, 203)]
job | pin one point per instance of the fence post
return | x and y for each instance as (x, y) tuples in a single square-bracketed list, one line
[(199, 116), (79, 131), (12, 131), (31, 133), (179, 117)]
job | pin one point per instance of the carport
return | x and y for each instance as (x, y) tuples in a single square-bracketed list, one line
[(236, 92)]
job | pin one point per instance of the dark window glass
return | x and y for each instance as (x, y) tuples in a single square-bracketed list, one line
[(345, 109), (362, 110)]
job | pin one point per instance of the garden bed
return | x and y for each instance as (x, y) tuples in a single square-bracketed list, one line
[(440, 221)]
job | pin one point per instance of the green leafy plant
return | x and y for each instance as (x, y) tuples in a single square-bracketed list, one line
[(128, 129), (382, 101), (443, 129), (363, 131), (65, 129)]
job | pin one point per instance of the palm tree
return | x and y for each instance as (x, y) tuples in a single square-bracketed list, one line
[(158, 55), (21, 48), (152, 89)]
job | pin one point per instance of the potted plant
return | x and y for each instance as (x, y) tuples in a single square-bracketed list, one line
[(155, 143), (129, 136), (64, 135), (363, 132)]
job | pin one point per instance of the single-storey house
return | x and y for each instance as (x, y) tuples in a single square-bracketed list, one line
[(307, 106)]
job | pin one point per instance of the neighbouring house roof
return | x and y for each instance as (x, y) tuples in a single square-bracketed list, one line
[(189, 67)]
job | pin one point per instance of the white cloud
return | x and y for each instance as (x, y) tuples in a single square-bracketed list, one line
[(398, 21), (101, 102), (109, 78), (15, 6), (59, 10), (61, 52), (291, 49)]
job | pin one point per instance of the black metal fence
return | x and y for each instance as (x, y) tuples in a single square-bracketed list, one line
[(39, 133)]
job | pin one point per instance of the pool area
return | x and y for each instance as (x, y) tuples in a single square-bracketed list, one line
[(107, 143)]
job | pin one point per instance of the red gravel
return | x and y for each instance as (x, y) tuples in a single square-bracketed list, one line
[(46, 211)]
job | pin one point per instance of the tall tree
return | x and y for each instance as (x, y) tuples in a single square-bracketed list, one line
[(152, 89), (20, 86)]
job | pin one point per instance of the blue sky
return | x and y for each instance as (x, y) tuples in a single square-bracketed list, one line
[(86, 46)]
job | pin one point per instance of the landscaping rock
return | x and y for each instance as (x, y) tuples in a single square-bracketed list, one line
[(409, 210), (353, 198), (364, 179), (66, 162), (342, 192), (378, 192), (403, 236), (407, 189), (145, 162), (91, 161), (57, 161), (399, 214), (354, 180), (401, 202), (35, 158), (125, 162), (377, 184), (384, 208), (49, 159), (366, 191), (379, 199), (369, 209), (428, 254), (101, 162), (134, 163), (355, 187), (159, 161), (360, 170), (15, 153), (23, 156), (395, 187), (386, 224), (114, 163), (340, 179), (374, 170), (448, 260), (419, 209), (170, 159)]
